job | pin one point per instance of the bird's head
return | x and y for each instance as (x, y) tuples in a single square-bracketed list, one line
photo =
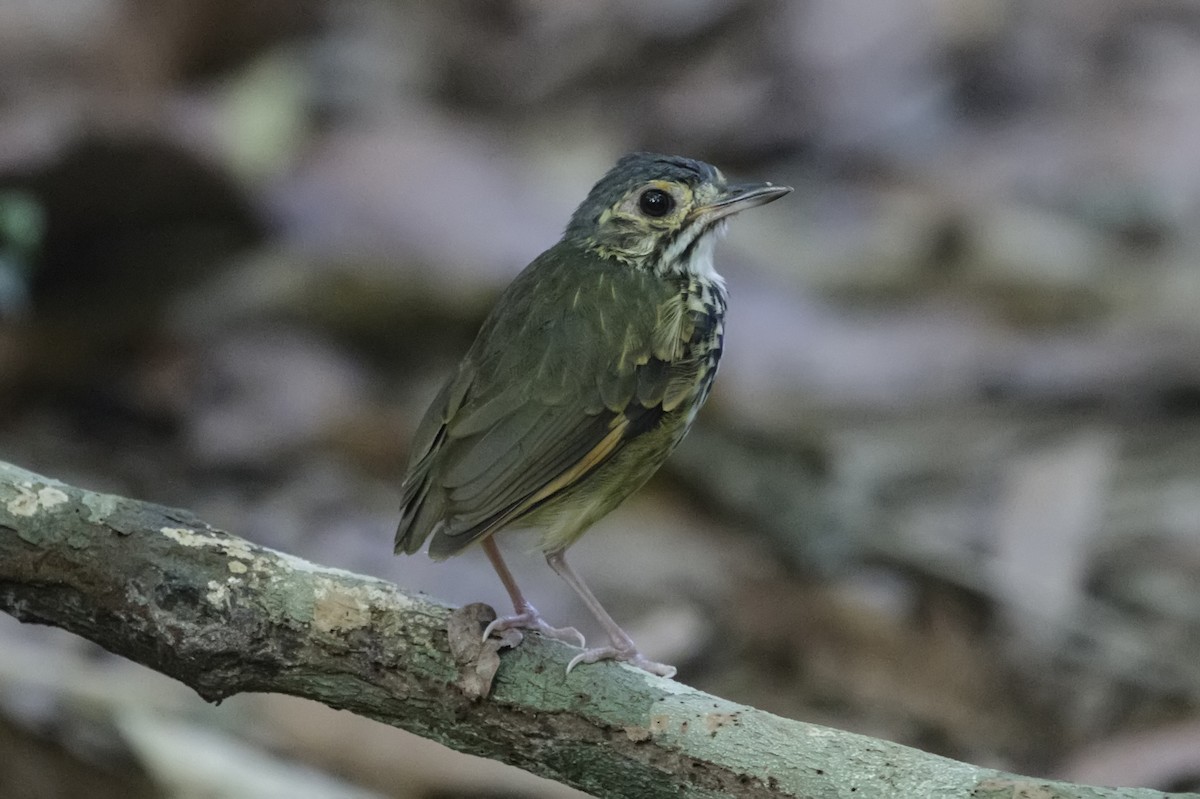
[(662, 212)]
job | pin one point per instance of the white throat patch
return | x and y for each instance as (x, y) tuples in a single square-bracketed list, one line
[(699, 261)]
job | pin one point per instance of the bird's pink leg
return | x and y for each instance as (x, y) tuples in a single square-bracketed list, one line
[(526, 616), (622, 647)]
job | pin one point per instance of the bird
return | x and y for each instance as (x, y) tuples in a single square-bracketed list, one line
[(585, 375)]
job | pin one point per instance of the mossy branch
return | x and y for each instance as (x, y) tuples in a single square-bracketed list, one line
[(225, 616)]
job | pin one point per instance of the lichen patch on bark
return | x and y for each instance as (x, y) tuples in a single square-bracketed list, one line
[(29, 502), (100, 506), (715, 721), (218, 593), (337, 609), (290, 562), (229, 546)]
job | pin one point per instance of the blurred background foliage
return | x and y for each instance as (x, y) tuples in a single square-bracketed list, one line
[(947, 490)]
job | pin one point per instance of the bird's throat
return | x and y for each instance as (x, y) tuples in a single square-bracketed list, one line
[(691, 254)]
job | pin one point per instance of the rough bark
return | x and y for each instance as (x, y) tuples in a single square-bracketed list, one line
[(223, 615)]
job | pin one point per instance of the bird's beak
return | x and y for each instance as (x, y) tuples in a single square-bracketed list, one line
[(740, 197)]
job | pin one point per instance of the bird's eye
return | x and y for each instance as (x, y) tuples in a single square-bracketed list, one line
[(656, 202)]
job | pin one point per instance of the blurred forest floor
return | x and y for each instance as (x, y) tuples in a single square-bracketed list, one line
[(946, 492)]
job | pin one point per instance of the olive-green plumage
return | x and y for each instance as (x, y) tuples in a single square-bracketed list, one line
[(578, 347), (588, 370)]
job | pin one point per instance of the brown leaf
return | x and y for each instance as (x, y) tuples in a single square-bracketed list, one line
[(477, 659)]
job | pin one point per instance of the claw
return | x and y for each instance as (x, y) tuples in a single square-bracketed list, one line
[(530, 619), (631, 656)]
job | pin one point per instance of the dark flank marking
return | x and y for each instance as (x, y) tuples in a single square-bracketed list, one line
[(686, 256), (642, 419)]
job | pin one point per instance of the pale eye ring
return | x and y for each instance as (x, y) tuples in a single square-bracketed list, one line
[(656, 202)]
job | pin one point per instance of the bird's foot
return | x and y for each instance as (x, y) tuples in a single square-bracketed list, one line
[(529, 619), (630, 655)]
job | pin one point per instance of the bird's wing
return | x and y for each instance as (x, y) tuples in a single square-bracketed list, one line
[(569, 367)]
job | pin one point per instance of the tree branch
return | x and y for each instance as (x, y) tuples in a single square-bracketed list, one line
[(224, 616)]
